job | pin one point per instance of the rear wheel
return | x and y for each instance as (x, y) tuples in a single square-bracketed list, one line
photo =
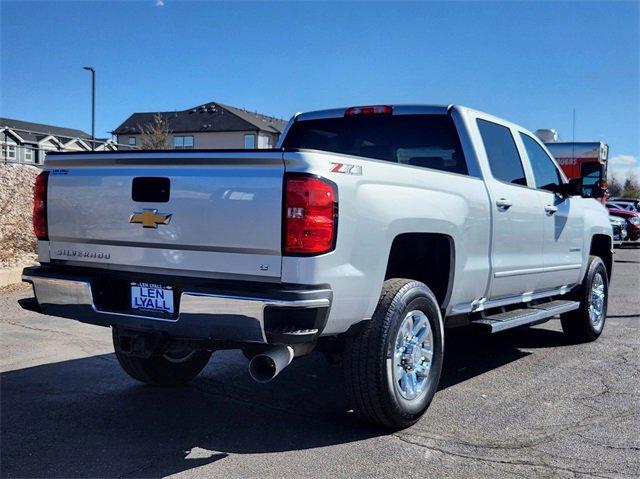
[(392, 366), (169, 368), (587, 322)]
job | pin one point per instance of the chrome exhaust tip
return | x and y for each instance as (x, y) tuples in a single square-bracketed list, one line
[(269, 363)]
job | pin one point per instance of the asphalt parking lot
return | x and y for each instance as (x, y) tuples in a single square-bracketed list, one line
[(523, 403)]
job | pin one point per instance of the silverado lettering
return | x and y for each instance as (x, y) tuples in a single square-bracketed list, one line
[(82, 254)]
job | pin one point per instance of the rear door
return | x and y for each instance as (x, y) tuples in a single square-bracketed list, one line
[(517, 229), (563, 223), (221, 212)]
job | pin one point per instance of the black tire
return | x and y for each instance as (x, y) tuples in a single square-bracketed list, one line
[(577, 325), (368, 357), (159, 370)]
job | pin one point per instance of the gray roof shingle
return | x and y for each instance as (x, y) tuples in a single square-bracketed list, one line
[(209, 117), (34, 132)]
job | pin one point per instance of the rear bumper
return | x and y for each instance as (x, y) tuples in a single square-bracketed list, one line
[(209, 310)]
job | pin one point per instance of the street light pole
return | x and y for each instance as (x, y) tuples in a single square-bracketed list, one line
[(93, 106)]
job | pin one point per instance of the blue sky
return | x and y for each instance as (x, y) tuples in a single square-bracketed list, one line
[(531, 63)]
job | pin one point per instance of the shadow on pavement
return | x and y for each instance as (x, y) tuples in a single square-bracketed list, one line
[(84, 417)]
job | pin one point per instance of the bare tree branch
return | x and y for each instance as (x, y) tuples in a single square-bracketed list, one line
[(155, 135)]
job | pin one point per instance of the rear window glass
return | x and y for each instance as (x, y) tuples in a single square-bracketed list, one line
[(428, 141)]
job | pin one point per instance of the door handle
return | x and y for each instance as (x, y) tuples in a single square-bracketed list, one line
[(550, 209), (503, 204)]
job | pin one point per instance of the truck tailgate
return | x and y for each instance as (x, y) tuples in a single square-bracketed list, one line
[(225, 211)]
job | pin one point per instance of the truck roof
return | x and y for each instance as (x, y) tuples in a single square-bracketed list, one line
[(397, 110)]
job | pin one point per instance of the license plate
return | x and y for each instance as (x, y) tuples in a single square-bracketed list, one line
[(152, 297)]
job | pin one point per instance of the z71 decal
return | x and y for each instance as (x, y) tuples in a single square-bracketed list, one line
[(346, 169)]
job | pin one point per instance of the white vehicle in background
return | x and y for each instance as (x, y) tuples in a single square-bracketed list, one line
[(364, 234), (619, 228)]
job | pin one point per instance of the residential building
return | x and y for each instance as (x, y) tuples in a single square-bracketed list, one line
[(209, 126), (27, 142)]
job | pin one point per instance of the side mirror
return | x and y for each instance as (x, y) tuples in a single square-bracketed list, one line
[(573, 188)]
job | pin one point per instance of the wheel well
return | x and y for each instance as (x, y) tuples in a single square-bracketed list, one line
[(601, 246), (425, 257)]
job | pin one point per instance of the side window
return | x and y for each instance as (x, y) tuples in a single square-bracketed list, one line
[(504, 159), (249, 142), (183, 142), (545, 173)]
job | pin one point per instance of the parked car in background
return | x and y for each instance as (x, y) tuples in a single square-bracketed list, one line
[(623, 205), (619, 227), (632, 219), (626, 201)]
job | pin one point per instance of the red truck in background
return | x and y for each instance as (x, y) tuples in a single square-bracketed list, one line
[(580, 159)]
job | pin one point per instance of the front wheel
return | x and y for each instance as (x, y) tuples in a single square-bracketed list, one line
[(392, 366), (169, 368), (587, 322)]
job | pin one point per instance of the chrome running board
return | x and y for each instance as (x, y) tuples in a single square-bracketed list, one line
[(519, 317)]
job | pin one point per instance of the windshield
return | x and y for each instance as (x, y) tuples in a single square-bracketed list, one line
[(428, 141)]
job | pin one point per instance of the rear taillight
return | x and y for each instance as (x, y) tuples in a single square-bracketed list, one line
[(369, 110), (310, 215), (40, 206)]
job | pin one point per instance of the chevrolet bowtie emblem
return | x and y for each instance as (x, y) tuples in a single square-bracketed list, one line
[(150, 218)]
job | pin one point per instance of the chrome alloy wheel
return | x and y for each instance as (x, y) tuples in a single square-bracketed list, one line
[(412, 355), (597, 300)]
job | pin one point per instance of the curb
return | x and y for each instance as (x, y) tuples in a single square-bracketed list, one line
[(13, 275)]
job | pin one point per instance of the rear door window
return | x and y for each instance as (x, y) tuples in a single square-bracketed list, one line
[(427, 141), (502, 153)]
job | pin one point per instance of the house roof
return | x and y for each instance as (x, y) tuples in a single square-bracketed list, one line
[(209, 117), (34, 132)]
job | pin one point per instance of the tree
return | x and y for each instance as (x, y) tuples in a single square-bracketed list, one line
[(614, 186), (155, 135), (631, 187)]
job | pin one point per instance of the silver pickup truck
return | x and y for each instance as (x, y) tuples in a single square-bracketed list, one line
[(363, 235)]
